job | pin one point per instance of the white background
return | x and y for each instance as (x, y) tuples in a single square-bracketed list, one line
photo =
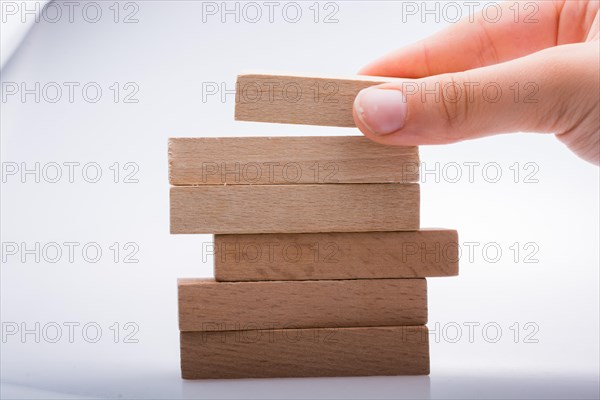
[(168, 54)]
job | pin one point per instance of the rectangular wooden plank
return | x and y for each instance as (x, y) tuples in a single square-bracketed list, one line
[(366, 351), (289, 160), (206, 305), (340, 255), (295, 99), (295, 208)]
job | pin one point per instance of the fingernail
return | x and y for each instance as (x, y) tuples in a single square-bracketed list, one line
[(383, 111)]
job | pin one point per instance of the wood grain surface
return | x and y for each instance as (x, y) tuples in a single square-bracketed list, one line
[(289, 160), (342, 255), (294, 99), (206, 305), (398, 350), (295, 208)]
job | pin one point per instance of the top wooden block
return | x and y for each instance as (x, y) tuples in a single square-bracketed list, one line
[(289, 160), (308, 100)]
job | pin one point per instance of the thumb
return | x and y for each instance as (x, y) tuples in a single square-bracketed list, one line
[(548, 91)]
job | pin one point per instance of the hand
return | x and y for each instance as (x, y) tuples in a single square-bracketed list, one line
[(479, 78)]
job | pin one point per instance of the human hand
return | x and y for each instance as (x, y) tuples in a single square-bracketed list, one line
[(478, 78)]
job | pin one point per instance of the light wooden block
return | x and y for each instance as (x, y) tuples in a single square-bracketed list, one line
[(206, 305), (343, 255), (289, 160), (294, 208), (398, 350), (294, 99)]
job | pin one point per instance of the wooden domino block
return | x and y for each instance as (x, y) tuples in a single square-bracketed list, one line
[(343, 255), (289, 160), (309, 100), (294, 208), (206, 305), (393, 350)]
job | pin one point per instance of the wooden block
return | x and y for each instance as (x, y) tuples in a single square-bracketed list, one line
[(295, 208), (289, 160), (293, 99), (356, 255), (393, 350), (206, 305)]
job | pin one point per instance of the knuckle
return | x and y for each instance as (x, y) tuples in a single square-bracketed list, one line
[(454, 107)]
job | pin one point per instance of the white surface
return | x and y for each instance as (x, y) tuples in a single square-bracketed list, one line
[(168, 54), (15, 22)]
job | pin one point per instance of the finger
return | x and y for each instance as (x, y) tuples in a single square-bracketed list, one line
[(594, 32), (542, 92), (492, 35)]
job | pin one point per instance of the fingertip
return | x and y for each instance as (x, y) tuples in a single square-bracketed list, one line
[(394, 138), (380, 109), (369, 69), (382, 114), (405, 62), (378, 67), (357, 114)]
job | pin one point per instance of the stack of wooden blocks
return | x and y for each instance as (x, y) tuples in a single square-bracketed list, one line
[(320, 263)]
